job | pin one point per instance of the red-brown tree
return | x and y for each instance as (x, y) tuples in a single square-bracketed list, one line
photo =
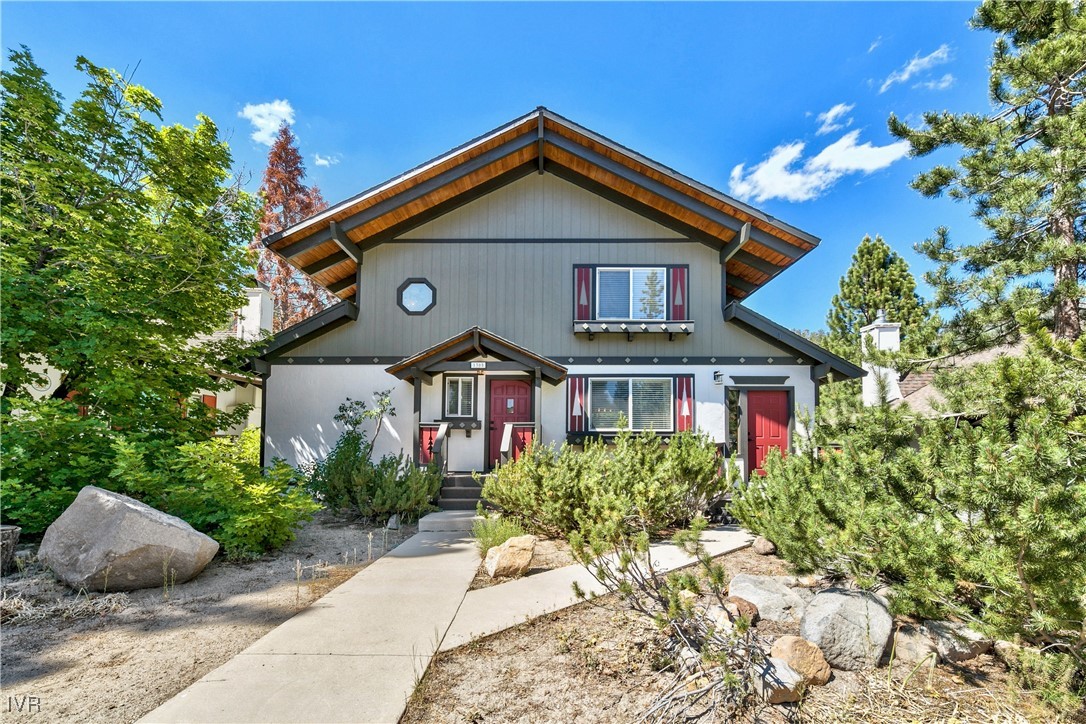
[(287, 200)]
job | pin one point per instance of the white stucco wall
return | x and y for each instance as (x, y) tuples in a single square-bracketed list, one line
[(304, 399)]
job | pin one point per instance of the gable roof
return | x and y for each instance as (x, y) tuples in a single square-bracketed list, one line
[(328, 246), (919, 393), (782, 337), (476, 342)]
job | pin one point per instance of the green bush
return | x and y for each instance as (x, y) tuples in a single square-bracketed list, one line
[(217, 486), (349, 477), (49, 454), (979, 515), (636, 478), (493, 531)]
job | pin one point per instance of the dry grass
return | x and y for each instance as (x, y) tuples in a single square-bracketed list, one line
[(17, 610)]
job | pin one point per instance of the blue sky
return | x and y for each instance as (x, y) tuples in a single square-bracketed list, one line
[(781, 104)]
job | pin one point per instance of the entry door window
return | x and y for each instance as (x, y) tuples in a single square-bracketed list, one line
[(460, 397)]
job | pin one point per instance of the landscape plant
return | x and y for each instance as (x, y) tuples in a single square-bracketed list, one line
[(349, 478), (660, 482), (218, 487), (491, 531), (978, 514)]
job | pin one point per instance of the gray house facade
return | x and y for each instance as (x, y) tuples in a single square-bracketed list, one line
[(540, 283)]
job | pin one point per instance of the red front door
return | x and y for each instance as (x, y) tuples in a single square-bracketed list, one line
[(510, 401), (767, 424)]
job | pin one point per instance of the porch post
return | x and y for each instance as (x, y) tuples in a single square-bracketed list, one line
[(417, 419), (537, 383)]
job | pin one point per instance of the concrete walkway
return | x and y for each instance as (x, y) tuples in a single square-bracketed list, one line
[(357, 654), (489, 610)]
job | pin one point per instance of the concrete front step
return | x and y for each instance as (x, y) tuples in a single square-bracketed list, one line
[(461, 492), (462, 480), (458, 503), (449, 521)]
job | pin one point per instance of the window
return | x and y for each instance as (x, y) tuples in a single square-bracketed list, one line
[(646, 403), (634, 293), (459, 397), (416, 296)]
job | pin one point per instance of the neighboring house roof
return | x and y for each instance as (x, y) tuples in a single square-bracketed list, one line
[(922, 397), (329, 246), (475, 342), (805, 349)]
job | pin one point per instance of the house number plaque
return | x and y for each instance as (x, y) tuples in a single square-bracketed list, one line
[(478, 365)]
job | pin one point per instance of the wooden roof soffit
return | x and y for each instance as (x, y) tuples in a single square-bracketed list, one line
[(329, 246)]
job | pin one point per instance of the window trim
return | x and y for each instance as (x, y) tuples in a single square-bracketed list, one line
[(409, 282), (445, 415), (630, 269), (590, 427)]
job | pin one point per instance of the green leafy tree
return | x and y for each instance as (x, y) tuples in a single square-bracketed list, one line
[(878, 280), (123, 242), (1024, 174)]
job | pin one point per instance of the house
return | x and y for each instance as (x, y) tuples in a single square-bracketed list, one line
[(540, 282), (250, 322), (915, 389)]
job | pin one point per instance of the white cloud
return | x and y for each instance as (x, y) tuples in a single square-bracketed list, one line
[(319, 160), (784, 175), (266, 119), (917, 65), (874, 44), (942, 84), (830, 118)]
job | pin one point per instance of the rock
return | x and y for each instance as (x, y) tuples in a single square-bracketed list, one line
[(393, 522), (851, 628), (764, 546), (956, 641), (804, 657), (777, 682), (719, 618), (9, 538), (109, 542), (741, 607), (689, 659), (688, 595), (511, 558), (775, 601), (911, 646), (1007, 651)]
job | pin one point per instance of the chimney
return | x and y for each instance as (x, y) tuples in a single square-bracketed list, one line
[(256, 316), (884, 336)]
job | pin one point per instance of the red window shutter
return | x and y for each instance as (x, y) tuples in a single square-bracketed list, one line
[(578, 404), (583, 309), (684, 403), (678, 292), (210, 400)]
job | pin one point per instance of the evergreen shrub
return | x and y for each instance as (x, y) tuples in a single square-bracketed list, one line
[(637, 479)]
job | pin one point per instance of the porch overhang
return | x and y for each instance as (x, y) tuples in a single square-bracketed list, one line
[(455, 355)]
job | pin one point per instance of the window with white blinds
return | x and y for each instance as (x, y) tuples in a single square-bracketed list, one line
[(631, 293), (459, 396), (645, 402)]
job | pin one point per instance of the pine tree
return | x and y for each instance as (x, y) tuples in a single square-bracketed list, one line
[(287, 200), (1023, 173), (878, 280), (652, 297)]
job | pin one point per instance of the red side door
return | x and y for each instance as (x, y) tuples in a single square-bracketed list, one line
[(510, 401), (767, 424)]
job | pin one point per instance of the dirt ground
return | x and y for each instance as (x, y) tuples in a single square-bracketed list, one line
[(145, 646), (601, 663)]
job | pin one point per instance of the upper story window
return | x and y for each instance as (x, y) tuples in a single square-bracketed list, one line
[(459, 397), (416, 296), (631, 299), (634, 293)]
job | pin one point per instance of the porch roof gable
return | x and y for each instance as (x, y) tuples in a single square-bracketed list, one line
[(477, 342)]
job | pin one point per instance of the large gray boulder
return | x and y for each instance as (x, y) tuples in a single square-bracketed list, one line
[(109, 542), (775, 601), (851, 627)]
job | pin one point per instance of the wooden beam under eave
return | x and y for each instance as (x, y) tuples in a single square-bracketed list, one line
[(732, 247), (344, 242)]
